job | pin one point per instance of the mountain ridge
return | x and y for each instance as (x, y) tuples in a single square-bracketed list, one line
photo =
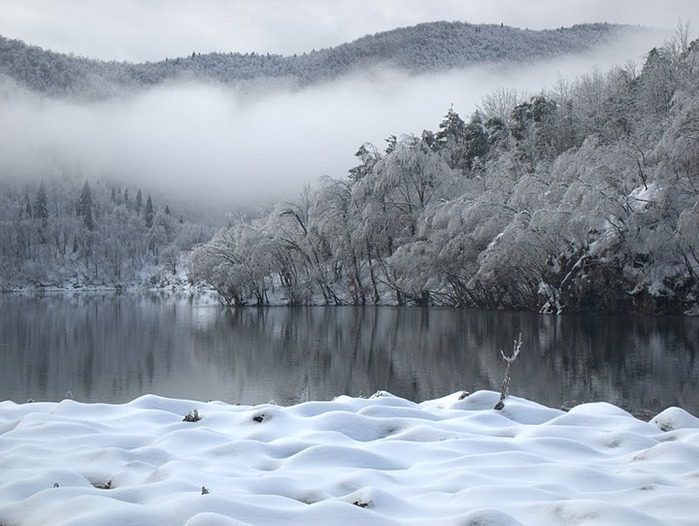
[(423, 48)]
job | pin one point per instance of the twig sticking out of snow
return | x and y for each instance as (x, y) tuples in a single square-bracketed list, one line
[(504, 389)]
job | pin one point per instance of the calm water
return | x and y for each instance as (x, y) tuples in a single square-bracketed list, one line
[(111, 348)]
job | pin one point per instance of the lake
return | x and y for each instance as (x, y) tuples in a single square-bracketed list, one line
[(97, 347)]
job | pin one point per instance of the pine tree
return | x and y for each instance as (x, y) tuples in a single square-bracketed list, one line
[(139, 201), (85, 207), (452, 138), (369, 156), (452, 131), (476, 140), (149, 212), (167, 210), (28, 208), (41, 205), (391, 141)]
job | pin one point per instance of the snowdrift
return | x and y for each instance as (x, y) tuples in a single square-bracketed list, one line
[(382, 460)]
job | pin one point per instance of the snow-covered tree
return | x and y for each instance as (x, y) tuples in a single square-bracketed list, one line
[(148, 212), (41, 205), (85, 207)]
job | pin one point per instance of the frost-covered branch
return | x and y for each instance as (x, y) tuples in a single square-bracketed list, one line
[(509, 360)]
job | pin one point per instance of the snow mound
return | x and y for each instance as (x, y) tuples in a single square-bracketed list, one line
[(382, 460), (675, 418)]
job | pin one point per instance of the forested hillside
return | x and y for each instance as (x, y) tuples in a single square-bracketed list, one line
[(578, 199), (423, 48), (68, 233)]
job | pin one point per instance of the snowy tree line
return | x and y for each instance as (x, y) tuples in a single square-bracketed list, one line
[(579, 198), (60, 233), (422, 48)]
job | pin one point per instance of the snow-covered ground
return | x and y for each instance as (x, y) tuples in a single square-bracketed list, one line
[(382, 460)]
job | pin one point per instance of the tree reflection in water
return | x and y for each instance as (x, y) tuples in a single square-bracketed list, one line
[(113, 348)]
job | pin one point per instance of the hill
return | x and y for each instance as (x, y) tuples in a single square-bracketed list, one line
[(435, 46)]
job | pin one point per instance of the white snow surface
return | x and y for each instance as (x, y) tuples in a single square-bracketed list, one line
[(382, 460)]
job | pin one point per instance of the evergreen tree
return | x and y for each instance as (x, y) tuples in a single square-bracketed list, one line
[(167, 210), (476, 138), (85, 207), (139, 201), (391, 142), (149, 212), (28, 208), (452, 138), (369, 156), (41, 205), (451, 130), (429, 139)]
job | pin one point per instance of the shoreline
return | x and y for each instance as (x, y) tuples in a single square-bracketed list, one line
[(214, 297)]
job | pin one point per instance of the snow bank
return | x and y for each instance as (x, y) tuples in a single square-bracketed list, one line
[(383, 460)]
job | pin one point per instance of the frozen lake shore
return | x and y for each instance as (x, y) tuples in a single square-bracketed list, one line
[(381, 460)]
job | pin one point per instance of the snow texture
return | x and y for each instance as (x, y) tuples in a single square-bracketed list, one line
[(383, 460)]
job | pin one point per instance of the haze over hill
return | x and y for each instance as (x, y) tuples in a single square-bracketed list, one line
[(577, 195), (237, 141)]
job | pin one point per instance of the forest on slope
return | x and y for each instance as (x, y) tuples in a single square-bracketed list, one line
[(68, 233), (428, 47), (582, 198)]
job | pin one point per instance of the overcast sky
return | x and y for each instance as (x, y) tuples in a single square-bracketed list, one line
[(138, 30)]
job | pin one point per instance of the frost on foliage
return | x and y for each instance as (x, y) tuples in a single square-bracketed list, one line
[(429, 47), (580, 199)]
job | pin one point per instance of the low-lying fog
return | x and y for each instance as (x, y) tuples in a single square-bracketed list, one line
[(224, 147)]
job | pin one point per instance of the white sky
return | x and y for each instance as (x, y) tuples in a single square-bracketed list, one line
[(138, 30)]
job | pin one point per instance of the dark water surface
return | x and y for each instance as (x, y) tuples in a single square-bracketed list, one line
[(114, 348)]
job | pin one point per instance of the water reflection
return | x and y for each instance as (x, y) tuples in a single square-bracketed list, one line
[(115, 348)]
